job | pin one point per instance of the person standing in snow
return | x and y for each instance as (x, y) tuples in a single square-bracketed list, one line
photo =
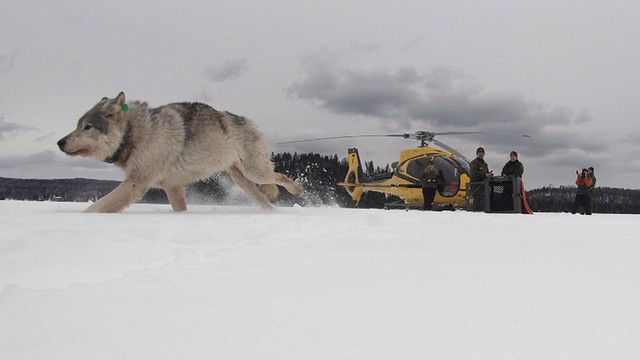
[(593, 185), (429, 183), (583, 199), (478, 173), (479, 168), (513, 166)]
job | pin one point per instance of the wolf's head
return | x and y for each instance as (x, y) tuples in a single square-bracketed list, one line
[(100, 130)]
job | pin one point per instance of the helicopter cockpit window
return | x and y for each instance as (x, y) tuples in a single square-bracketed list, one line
[(462, 162), (448, 171)]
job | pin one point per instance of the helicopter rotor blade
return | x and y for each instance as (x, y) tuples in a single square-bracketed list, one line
[(478, 132), (343, 137), (450, 149), (420, 135), (506, 135), (458, 133)]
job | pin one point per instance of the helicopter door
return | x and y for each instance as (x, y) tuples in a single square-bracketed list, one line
[(446, 167)]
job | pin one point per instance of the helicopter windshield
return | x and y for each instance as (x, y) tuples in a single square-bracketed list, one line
[(448, 168), (463, 163)]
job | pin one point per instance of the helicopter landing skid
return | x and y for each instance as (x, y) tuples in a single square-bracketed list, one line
[(401, 205)]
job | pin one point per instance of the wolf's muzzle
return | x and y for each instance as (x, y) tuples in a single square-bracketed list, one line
[(62, 143)]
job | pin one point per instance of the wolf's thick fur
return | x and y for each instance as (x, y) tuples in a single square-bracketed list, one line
[(170, 147)]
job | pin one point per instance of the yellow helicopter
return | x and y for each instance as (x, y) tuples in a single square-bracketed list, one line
[(403, 180)]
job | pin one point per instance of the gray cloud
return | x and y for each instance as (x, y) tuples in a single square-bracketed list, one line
[(365, 47), (8, 128), (49, 164), (372, 93), (442, 99), (412, 44), (47, 138), (228, 70), (46, 157), (7, 62)]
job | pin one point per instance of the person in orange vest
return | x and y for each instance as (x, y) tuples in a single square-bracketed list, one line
[(583, 195)]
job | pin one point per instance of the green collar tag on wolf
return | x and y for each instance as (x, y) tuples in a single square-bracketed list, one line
[(125, 107)]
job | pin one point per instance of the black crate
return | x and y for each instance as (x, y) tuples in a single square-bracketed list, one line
[(501, 194)]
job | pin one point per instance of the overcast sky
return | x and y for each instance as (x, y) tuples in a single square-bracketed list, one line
[(567, 73)]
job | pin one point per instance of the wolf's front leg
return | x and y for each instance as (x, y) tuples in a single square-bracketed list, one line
[(177, 197), (121, 197)]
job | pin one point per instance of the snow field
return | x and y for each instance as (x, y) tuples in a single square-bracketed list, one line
[(315, 283)]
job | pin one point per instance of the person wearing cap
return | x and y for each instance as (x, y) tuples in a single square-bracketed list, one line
[(513, 166), (479, 170), (478, 173)]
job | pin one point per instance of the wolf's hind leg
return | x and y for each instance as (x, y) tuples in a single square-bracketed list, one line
[(259, 169), (270, 178), (249, 187), (292, 187), (271, 190), (177, 197)]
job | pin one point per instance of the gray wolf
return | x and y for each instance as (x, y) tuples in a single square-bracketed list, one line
[(171, 146)]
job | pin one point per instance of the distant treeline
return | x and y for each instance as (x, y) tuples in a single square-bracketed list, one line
[(318, 174), (605, 200)]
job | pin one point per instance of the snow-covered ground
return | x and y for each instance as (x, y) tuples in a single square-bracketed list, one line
[(315, 283)]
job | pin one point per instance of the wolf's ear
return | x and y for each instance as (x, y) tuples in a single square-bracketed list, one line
[(121, 99), (122, 102), (104, 98)]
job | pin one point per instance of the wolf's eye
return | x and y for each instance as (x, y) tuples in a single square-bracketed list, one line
[(108, 116), (88, 127)]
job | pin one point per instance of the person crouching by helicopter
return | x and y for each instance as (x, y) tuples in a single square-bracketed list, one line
[(513, 167), (583, 195), (479, 172), (429, 183)]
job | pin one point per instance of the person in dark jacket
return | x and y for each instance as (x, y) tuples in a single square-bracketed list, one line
[(479, 168), (478, 173), (429, 183), (583, 199), (592, 175), (513, 166)]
